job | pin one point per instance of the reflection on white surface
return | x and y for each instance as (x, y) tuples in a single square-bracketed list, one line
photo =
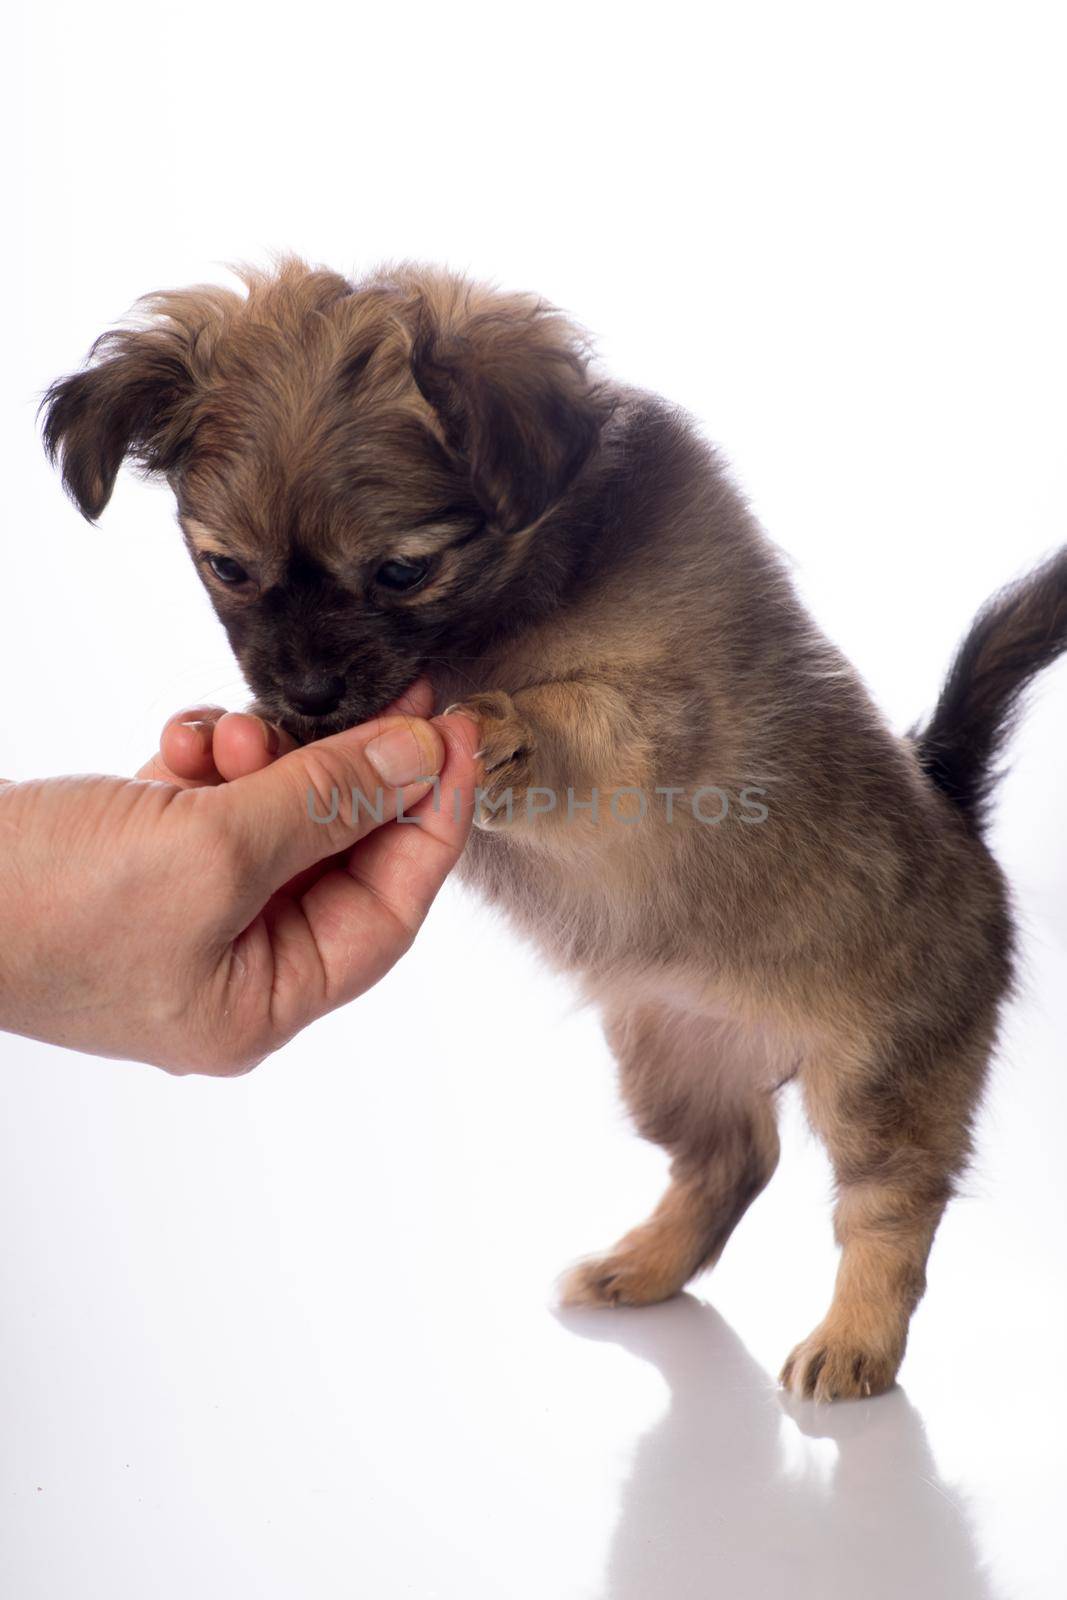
[(740, 1490)]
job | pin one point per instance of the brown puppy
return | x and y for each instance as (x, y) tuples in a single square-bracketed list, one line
[(418, 474)]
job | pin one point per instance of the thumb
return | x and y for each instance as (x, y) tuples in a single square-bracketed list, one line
[(325, 797)]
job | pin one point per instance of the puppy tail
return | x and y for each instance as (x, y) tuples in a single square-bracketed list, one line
[(1018, 633)]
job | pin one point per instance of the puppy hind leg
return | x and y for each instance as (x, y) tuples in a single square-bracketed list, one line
[(687, 1093), (898, 1136)]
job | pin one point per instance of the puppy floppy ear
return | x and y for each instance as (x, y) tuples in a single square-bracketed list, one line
[(133, 399), (509, 385)]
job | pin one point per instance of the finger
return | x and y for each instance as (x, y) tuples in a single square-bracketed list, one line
[(241, 748), (400, 863), (246, 743), (184, 755), (324, 797), (351, 926), (186, 749)]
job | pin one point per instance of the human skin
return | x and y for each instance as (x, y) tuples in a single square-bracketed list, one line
[(196, 917)]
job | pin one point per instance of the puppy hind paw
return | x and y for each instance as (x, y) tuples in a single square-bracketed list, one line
[(621, 1278)]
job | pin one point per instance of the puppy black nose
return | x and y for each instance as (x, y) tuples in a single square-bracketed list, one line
[(314, 694)]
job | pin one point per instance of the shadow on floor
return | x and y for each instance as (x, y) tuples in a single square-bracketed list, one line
[(727, 1498)]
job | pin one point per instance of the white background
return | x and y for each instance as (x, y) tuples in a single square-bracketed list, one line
[(289, 1335)]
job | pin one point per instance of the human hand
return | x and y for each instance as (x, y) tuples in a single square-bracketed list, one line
[(173, 920)]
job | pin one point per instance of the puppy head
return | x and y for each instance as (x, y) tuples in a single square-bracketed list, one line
[(360, 470)]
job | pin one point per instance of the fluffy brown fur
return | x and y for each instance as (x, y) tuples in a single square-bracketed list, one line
[(582, 574)]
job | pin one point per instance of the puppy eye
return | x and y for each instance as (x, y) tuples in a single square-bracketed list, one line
[(401, 575), (226, 569)]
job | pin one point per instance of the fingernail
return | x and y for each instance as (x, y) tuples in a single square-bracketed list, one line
[(410, 750), (202, 732), (270, 736)]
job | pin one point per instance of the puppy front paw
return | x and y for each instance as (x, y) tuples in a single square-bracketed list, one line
[(506, 751), (831, 1365)]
